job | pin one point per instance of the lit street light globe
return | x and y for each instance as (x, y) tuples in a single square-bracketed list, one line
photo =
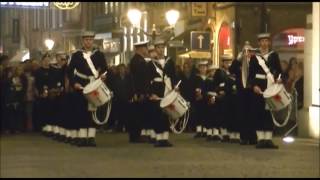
[(134, 16), (49, 43), (172, 17)]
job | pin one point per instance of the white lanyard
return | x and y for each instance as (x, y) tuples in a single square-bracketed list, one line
[(87, 56), (270, 77)]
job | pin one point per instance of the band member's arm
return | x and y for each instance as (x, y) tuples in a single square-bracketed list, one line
[(252, 83), (70, 72), (103, 65), (139, 77), (276, 66)]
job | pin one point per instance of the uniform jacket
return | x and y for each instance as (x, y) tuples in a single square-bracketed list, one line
[(257, 76)]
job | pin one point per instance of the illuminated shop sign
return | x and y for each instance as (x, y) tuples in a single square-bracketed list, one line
[(66, 5), (24, 4), (292, 40)]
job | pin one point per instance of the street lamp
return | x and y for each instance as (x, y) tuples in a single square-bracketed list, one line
[(49, 43), (172, 17), (134, 16)]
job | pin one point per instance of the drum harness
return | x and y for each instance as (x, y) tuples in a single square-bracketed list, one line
[(87, 57), (173, 122), (271, 80)]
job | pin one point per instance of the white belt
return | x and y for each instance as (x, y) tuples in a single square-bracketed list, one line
[(211, 93), (261, 76), (158, 79), (83, 76)]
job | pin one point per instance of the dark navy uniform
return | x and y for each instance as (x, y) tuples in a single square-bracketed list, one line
[(244, 94), (258, 77), (220, 79), (42, 105), (56, 100), (139, 71), (157, 87), (200, 104), (80, 72)]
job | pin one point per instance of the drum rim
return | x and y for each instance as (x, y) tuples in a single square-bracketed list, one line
[(164, 104), (95, 84), (278, 88)]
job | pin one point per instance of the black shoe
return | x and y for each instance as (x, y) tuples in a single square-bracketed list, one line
[(198, 135), (91, 142), (270, 145), (244, 142), (55, 136), (216, 138), (144, 138), (167, 144), (261, 144), (203, 134), (67, 140), (61, 138), (234, 141), (253, 142), (136, 140), (209, 138), (152, 140), (74, 141), (225, 138), (163, 143), (82, 142), (50, 134)]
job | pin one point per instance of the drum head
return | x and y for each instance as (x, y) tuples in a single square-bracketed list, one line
[(166, 101), (272, 90), (92, 86)]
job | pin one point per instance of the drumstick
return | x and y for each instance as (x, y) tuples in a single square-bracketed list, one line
[(177, 85), (104, 73)]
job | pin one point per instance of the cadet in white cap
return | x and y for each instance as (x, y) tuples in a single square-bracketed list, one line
[(200, 94), (85, 66), (240, 70), (264, 69), (157, 90), (220, 80), (138, 70)]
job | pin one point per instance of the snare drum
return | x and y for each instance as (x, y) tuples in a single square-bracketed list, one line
[(174, 105), (277, 97), (97, 93)]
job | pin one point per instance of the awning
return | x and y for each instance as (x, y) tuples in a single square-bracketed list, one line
[(196, 55)]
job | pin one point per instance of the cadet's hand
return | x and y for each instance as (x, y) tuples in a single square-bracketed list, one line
[(279, 81), (222, 93), (141, 98), (78, 86), (212, 100), (103, 77), (257, 90), (154, 97)]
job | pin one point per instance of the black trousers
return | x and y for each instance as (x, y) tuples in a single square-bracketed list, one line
[(14, 119), (159, 118), (82, 118), (122, 114), (134, 123), (200, 112), (232, 120), (261, 116)]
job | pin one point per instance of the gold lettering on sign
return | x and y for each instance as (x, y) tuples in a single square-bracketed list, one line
[(66, 5), (199, 9)]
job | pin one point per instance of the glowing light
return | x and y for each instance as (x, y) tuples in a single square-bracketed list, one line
[(49, 43), (66, 5), (134, 16), (172, 17), (288, 139)]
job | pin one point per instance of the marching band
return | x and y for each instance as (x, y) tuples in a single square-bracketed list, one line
[(226, 103)]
